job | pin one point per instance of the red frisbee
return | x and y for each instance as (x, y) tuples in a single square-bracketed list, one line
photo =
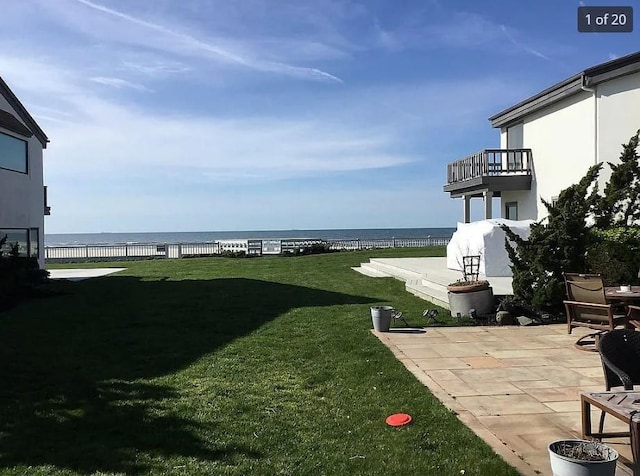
[(398, 419)]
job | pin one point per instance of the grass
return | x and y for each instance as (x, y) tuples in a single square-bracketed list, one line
[(222, 366)]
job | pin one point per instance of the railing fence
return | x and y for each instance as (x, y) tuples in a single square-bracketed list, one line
[(186, 250), (492, 162)]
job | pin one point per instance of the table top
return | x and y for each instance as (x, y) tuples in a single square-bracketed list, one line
[(625, 403), (613, 292)]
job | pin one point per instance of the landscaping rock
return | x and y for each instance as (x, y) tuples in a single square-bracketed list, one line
[(504, 318), (524, 321)]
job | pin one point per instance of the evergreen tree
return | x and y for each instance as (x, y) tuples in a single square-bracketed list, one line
[(558, 245), (620, 205)]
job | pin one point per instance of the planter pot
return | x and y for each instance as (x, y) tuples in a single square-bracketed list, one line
[(563, 465), (468, 288), (462, 302), (381, 318)]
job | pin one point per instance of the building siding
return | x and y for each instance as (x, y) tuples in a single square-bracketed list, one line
[(22, 195), (562, 151), (619, 117)]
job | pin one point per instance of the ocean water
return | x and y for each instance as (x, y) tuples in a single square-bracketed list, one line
[(68, 239)]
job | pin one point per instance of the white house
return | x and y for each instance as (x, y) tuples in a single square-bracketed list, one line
[(548, 142), (23, 197)]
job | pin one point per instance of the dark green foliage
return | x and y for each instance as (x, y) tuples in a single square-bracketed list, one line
[(233, 254), (615, 253), (314, 249), (620, 205), (558, 245), (19, 279), (19, 276), (565, 242)]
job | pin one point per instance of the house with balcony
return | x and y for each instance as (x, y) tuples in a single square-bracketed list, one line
[(548, 141), (23, 196)]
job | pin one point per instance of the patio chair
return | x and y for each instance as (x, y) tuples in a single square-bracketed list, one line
[(620, 356), (587, 307), (633, 317)]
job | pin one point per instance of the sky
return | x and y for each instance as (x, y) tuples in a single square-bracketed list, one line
[(206, 115)]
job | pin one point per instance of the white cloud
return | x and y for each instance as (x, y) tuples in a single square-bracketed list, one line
[(156, 67), (155, 35), (119, 83), (457, 29), (523, 46)]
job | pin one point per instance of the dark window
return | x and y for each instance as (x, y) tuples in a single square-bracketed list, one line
[(34, 243), (511, 210), (13, 153), (19, 236)]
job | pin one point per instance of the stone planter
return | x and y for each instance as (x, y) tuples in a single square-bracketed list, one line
[(479, 298), (563, 464), (381, 318), (467, 288)]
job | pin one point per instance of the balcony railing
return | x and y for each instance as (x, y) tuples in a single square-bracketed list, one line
[(490, 163)]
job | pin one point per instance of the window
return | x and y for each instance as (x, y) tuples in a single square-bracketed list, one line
[(554, 201), (511, 210), (13, 153), (34, 243), (19, 236)]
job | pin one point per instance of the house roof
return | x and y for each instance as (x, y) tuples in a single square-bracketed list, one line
[(8, 121), (31, 126), (589, 77)]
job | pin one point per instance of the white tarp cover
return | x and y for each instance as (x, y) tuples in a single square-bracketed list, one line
[(485, 238)]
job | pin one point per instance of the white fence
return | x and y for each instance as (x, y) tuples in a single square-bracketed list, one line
[(365, 244), (88, 252), (183, 250)]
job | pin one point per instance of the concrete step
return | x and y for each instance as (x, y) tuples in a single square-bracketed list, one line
[(435, 286), (370, 271), (437, 297), (395, 271)]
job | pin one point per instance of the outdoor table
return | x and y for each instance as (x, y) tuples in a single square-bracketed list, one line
[(613, 293), (623, 405)]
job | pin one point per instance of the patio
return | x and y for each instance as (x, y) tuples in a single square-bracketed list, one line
[(516, 387)]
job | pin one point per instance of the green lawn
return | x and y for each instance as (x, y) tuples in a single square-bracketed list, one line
[(220, 366)]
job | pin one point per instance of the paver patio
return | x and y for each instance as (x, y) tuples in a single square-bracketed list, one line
[(518, 388)]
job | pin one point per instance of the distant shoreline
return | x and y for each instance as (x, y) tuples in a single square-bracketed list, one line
[(111, 238)]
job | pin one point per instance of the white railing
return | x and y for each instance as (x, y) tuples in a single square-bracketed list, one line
[(182, 250)]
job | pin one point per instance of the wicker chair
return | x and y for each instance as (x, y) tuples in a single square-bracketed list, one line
[(587, 307), (620, 356)]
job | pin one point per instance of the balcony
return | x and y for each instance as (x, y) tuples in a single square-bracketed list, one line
[(491, 170), (47, 208)]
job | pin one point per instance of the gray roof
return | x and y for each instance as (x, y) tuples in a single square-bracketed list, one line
[(22, 112), (589, 77)]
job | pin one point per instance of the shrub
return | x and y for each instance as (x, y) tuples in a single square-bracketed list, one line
[(565, 242), (555, 246), (19, 279), (615, 253), (620, 204), (315, 248), (234, 254), (19, 276)]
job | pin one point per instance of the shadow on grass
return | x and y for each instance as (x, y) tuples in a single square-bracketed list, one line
[(75, 369)]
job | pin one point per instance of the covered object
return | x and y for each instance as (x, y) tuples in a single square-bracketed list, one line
[(485, 238)]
